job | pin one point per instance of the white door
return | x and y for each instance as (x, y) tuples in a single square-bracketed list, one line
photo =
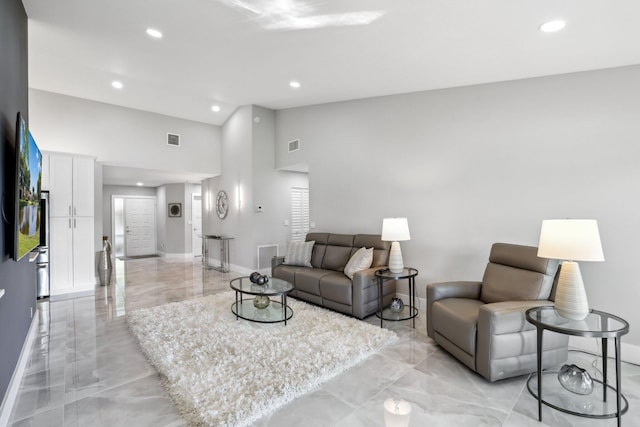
[(139, 226), (83, 198), (84, 274), (61, 255), (196, 224)]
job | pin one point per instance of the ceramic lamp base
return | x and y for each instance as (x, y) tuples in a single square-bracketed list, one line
[(571, 298), (395, 258)]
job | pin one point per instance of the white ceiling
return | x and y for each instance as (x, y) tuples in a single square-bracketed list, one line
[(240, 52)]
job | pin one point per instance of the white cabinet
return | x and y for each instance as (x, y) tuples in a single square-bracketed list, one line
[(71, 194), (71, 179)]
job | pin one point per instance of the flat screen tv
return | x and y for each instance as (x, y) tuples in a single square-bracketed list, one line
[(27, 194)]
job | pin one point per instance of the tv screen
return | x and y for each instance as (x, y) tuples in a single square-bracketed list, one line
[(27, 195)]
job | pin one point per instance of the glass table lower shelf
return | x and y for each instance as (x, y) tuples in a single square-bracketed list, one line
[(407, 313), (591, 405), (275, 312)]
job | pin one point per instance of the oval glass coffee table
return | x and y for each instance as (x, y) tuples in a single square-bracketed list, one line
[(597, 324), (260, 307)]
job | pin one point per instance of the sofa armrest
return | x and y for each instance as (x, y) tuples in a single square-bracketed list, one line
[(442, 290), (364, 289), (276, 261)]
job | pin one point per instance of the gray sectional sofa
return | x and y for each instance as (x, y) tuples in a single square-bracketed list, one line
[(325, 283)]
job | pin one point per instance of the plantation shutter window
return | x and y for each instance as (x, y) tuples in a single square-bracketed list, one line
[(299, 213)]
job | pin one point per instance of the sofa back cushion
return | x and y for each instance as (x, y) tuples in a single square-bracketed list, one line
[(319, 248), (333, 251), (516, 273), (338, 251)]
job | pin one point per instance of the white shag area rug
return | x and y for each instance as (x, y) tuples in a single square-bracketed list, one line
[(220, 371)]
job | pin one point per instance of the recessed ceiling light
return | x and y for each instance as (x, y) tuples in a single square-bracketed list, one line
[(154, 33), (139, 184), (215, 108), (552, 26), (116, 84), (294, 84)]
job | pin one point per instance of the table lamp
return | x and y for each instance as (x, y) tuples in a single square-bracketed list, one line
[(395, 230), (570, 240)]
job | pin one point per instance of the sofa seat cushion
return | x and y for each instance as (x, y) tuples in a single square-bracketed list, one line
[(308, 279), (457, 319), (336, 287)]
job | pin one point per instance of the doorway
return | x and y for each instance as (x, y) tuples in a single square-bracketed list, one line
[(134, 225)]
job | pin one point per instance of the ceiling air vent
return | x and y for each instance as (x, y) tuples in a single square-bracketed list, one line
[(294, 145), (173, 139)]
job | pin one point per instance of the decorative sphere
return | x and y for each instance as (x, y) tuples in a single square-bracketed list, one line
[(253, 277), (396, 305), (261, 302)]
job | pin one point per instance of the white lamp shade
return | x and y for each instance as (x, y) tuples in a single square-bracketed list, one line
[(570, 239), (395, 229)]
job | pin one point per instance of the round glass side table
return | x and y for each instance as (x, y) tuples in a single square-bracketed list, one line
[(409, 311)]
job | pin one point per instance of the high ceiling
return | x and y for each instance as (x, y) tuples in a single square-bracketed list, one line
[(239, 52)]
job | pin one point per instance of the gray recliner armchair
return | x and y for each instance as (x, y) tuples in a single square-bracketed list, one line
[(483, 324)]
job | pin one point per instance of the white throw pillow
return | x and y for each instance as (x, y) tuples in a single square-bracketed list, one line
[(299, 253), (361, 260)]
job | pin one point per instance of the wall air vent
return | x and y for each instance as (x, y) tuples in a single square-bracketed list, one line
[(294, 145), (173, 139)]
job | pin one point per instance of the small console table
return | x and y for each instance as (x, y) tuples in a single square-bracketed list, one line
[(224, 252), (408, 312), (597, 324)]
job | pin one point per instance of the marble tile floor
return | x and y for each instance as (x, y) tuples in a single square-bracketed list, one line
[(86, 369)]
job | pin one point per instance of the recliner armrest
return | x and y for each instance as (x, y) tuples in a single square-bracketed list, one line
[(506, 317), (506, 340), (459, 289), (442, 290)]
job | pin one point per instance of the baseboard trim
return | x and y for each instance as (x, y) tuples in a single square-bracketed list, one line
[(175, 255), (18, 373), (71, 295)]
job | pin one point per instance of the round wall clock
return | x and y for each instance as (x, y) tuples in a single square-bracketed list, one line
[(222, 204)]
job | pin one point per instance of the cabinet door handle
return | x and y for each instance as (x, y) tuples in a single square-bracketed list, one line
[(69, 210), (74, 223), (69, 222), (74, 210)]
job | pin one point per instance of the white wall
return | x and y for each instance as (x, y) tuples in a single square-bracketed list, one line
[(174, 228), (122, 136), (250, 178), (475, 165)]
